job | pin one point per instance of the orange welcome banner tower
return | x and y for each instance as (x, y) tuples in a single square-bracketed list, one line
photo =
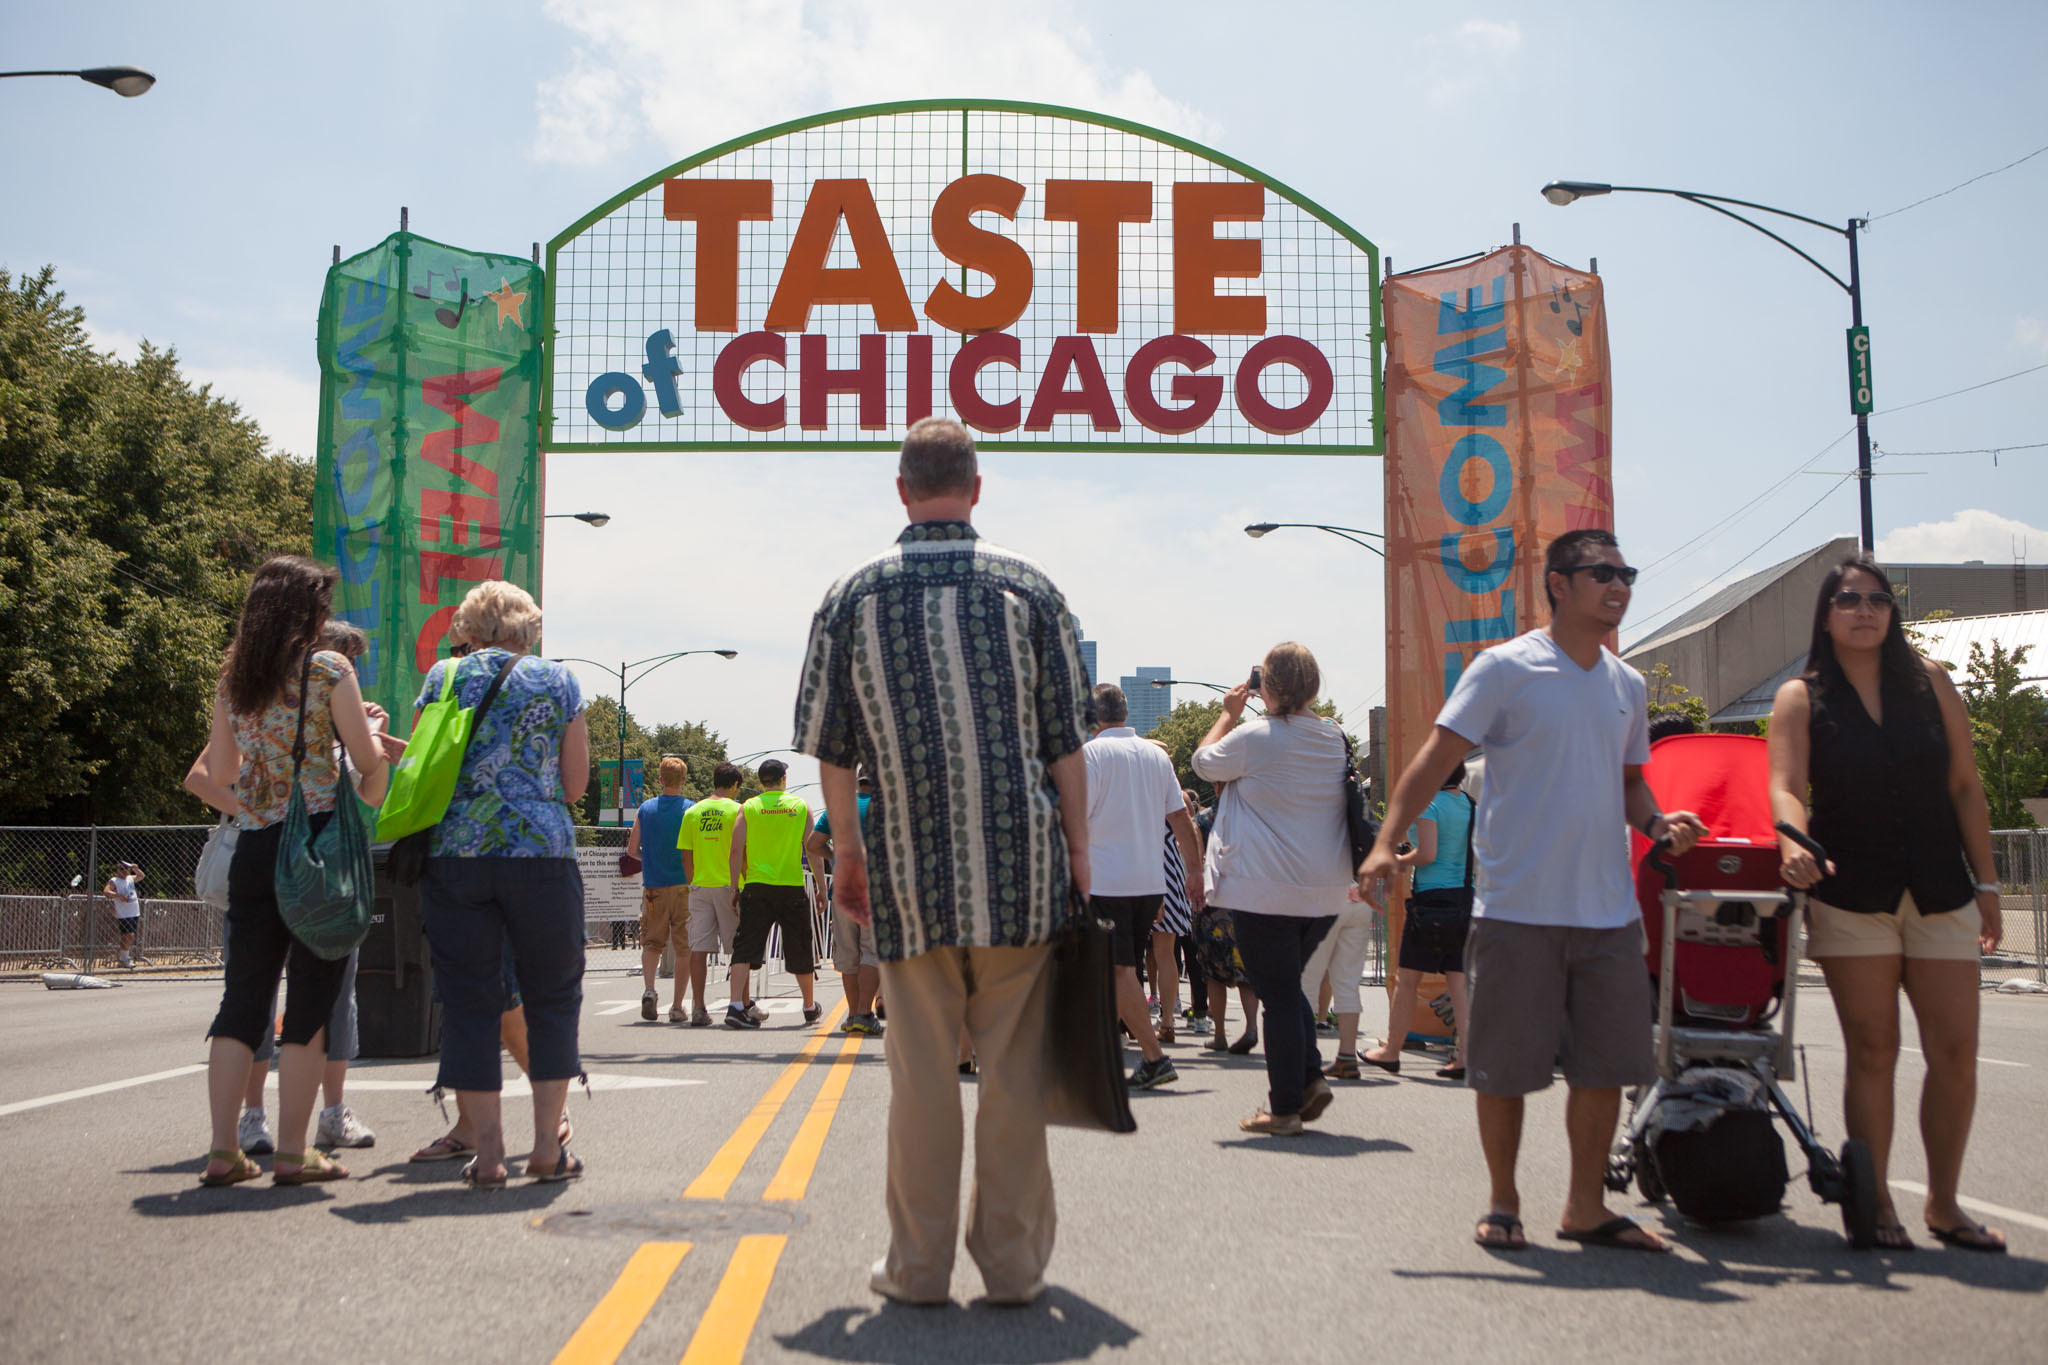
[(1497, 443)]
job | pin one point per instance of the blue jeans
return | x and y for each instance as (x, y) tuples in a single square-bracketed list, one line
[(480, 911), (1276, 949)]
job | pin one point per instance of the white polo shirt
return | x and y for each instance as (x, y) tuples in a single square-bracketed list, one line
[(1131, 791)]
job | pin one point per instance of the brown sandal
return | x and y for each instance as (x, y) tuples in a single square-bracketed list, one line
[(240, 1168), (315, 1167)]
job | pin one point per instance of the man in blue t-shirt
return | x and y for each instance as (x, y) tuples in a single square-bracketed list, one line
[(853, 944), (664, 884), (1556, 945)]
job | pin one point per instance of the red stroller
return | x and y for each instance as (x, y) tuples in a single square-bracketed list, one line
[(1724, 938)]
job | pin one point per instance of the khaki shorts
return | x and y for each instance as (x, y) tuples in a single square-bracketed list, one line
[(853, 944), (1905, 932), (1542, 993), (714, 919), (662, 911)]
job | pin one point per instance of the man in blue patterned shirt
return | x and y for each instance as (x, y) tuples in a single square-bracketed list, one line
[(951, 668)]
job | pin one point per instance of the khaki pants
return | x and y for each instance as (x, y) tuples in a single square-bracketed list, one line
[(1000, 995)]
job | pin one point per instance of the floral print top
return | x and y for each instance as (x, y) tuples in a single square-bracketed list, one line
[(265, 738), (508, 802)]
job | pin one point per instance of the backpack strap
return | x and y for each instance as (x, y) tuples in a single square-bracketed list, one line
[(490, 695), (1471, 819)]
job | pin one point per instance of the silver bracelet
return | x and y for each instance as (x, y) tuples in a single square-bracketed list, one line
[(1993, 887)]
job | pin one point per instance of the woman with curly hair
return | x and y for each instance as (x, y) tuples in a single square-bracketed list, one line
[(274, 675), (1878, 739)]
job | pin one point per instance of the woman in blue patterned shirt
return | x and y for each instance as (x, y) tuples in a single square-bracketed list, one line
[(501, 874)]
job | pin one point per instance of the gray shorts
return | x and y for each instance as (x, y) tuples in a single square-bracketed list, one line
[(1543, 995), (853, 944), (714, 919)]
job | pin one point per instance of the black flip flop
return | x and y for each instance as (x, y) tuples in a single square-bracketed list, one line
[(1451, 1073), (1613, 1233), (476, 1181), (1244, 1045), (1969, 1237), (1513, 1238), (568, 1166)]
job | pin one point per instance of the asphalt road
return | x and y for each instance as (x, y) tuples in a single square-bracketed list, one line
[(1185, 1242)]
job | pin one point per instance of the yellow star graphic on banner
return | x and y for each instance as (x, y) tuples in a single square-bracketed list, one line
[(1568, 362), (511, 303)]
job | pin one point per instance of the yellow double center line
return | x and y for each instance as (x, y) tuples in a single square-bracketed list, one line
[(728, 1322)]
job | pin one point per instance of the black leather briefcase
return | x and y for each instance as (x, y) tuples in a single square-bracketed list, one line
[(1085, 1085)]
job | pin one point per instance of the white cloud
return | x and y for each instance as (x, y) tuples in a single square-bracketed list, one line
[(690, 73), (1468, 58), (2031, 334), (1972, 533)]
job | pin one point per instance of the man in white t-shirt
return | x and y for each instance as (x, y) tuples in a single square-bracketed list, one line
[(127, 907), (1131, 788), (1556, 948)]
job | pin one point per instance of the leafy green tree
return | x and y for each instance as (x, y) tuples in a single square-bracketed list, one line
[(2009, 723), (696, 743), (133, 509), (1671, 698)]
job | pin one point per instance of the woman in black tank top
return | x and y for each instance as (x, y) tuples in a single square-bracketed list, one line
[(1878, 739)]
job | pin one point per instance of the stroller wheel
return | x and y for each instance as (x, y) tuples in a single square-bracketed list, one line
[(1859, 1195), (1618, 1171), (1648, 1181)]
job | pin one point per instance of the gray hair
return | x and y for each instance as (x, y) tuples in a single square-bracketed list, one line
[(1111, 706), (938, 458)]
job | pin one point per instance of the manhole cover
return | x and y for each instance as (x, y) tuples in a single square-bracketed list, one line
[(690, 1220)]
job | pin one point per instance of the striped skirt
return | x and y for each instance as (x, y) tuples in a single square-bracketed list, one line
[(1179, 917)]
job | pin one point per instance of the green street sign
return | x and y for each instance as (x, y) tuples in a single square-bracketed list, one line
[(1859, 371)]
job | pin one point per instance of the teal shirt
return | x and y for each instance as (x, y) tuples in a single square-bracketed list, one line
[(1452, 812)]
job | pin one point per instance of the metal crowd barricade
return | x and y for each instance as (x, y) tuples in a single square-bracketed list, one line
[(54, 913)]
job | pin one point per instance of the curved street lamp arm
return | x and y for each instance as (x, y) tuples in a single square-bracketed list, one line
[(658, 660), (1704, 201), (572, 659), (1739, 203)]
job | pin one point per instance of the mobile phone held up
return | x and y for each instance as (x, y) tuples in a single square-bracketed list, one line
[(1256, 679)]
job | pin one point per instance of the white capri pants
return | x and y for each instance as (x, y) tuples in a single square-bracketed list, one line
[(1341, 957)]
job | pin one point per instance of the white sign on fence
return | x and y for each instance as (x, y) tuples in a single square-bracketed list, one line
[(607, 895)]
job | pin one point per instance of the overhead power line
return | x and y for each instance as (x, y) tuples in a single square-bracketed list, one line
[(1953, 188), (1753, 502), (1993, 451), (1923, 402)]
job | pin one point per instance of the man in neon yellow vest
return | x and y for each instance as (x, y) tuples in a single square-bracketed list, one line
[(705, 840), (768, 866)]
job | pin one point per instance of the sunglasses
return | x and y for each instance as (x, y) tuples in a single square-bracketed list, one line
[(1604, 573), (1849, 599)]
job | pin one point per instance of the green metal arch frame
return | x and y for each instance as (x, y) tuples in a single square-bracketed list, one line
[(1287, 192)]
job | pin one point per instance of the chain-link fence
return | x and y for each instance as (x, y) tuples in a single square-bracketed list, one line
[(56, 913), (2022, 859)]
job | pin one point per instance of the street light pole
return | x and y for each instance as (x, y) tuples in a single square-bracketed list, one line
[(651, 663), (1563, 192)]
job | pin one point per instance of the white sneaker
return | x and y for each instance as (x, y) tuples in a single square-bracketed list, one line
[(125, 962), (339, 1127), (756, 1013), (252, 1134)]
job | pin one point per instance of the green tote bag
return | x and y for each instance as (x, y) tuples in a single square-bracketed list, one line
[(324, 881), (423, 783)]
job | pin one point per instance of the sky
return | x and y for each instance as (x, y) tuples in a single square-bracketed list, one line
[(203, 215)]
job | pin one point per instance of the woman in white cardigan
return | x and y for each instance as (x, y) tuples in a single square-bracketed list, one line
[(1279, 858)]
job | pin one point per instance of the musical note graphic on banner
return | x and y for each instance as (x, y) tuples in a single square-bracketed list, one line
[(1572, 324), (451, 317), (428, 291)]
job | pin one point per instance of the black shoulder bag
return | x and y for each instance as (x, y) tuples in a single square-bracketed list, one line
[(1358, 821), (406, 861), (1085, 1085)]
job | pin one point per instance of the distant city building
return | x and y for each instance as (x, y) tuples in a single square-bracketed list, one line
[(1149, 704), (1087, 653)]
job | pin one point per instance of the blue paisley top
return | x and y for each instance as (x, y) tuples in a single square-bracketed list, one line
[(508, 801)]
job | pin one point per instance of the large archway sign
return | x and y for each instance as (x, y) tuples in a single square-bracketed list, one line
[(1056, 279)]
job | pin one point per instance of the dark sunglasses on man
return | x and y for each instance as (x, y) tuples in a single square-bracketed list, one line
[(1605, 573), (1848, 599)]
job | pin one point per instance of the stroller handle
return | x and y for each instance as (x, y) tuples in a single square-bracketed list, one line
[(1656, 860), (1804, 840)]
